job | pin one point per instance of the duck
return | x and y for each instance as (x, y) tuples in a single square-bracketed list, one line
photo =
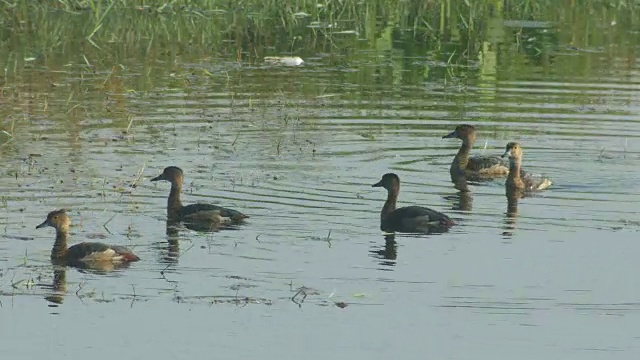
[(409, 219), (517, 180), (85, 253), (207, 215), (476, 167)]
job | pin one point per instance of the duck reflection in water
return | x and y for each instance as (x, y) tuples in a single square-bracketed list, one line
[(58, 286), (170, 249), (386, 254), (511, 218), (462, 200)]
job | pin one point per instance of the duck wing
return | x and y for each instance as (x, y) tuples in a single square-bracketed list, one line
[(535, 182), (492, 164), (93, 251), (415, 219), (211, 213), (480, 163)]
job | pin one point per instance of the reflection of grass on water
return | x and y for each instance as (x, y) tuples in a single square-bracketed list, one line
[(68, 51), (64, 57), (6, 137), (252, 28), (27, 280)]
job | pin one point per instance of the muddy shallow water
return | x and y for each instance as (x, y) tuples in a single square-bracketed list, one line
[(298, 148)]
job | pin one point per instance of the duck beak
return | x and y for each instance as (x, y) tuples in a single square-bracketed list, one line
[(450, 136), (45, 223), (378, 184), (508, 152), (157, 178)]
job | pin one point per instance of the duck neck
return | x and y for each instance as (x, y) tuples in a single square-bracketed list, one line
[(59, 250), (174, 204), (392, 198), (462, 157), (513, 179)]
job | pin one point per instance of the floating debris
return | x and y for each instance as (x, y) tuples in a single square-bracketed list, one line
[(347, 32), (302, 294), (341, 304), (286, 60)]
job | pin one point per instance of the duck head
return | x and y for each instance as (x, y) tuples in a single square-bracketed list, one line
[(57, 219), (388, 181), (172, 174), (514, 150), (463, 132)]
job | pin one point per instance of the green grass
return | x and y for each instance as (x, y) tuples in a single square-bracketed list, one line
[(73, 49), (251, 29)]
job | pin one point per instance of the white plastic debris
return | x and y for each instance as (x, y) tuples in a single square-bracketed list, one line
[(286, 60)]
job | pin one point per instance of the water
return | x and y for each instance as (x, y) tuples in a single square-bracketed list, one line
[(298, 148)]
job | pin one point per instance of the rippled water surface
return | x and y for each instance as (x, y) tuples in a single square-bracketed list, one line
[(298, 148)]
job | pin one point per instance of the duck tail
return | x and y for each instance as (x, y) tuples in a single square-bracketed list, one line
[(130, 257), (240, 218), (447, 222)]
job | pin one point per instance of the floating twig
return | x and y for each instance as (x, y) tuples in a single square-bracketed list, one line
[(131, 118), (105, 224), (15, 284), (233, 144), (134, 296), (9, 140), (80, 287), (302, 292), (177, 257), (139, 176)]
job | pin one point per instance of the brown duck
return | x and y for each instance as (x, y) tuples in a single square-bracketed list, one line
[(195, 213), (483, 167), (82, 254), (517, 180), (410, 219)]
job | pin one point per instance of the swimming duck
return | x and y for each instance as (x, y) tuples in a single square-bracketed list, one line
[(409, 219), (477, 166), (84, 253), (517, 180), (195, 213)]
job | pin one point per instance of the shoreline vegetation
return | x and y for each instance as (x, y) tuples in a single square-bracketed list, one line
[(124, 46), (251, 29)]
